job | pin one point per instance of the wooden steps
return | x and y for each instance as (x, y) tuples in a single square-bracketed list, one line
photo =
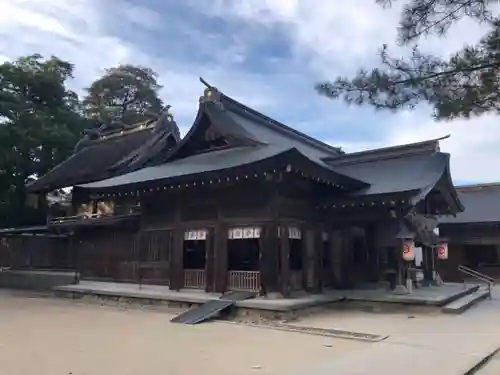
[(463, 303)]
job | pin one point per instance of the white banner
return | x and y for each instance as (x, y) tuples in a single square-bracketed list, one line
[(243, 233), (419, 256), (194, 235), (294, 233)]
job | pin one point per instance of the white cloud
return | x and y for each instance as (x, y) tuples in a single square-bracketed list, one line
[(328, 38), (77, 33), (69, 32), (339, 37), (473, 144)]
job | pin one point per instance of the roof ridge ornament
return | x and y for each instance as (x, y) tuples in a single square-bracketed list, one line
[(211, 94), (166, 121)]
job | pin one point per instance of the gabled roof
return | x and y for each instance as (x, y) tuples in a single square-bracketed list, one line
[(428, 146), (244, 126), (110, 153), (481, 203), (415, 169), (252, 138), (220, 164)]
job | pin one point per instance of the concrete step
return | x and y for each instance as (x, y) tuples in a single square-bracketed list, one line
[(463, 303)]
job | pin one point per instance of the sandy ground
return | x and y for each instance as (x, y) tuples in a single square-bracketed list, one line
[(51, 337), (475, 332), (492, 367), (433, 343)]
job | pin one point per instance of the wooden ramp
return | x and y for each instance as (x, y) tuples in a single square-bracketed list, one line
[(211, 308)]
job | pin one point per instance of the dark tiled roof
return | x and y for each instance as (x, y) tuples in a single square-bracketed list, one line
[(481, 203), (416, 167), (398, 174), (428, 146), (220, 160), (112, 154), (200, 163), (253, 136)]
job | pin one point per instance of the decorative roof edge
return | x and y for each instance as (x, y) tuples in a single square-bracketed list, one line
[(470, 188), (390, 152), (130, 129), (227, 101)]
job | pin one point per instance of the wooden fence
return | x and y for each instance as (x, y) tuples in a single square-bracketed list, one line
[(47, 252), (244, 280), (194, 279)]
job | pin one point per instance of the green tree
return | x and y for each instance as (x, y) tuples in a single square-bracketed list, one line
[(125, 95), (40, 121), (463, 85)]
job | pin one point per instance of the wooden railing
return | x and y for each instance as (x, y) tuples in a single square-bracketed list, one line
[(134, 210), (296, 280), (194, 279), (244, 280)]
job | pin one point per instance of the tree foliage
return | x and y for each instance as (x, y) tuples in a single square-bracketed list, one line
[(463, 85), (40, 121), (124, 96)]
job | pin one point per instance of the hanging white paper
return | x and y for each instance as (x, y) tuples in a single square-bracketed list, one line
[(418, 256)]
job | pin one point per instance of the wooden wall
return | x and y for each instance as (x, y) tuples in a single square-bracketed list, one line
[(106, 253), (205, 206), (36, 252)]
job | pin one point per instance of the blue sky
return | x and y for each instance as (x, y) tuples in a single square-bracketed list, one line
[(265, 53)]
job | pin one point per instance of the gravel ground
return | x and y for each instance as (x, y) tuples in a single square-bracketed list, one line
[(46, 336)]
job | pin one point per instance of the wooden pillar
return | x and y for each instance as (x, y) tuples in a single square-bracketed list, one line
[(426, 264), (318, 261), (284, 249), (176, 266), (347, 258), (74, 249), (372, 253), (305, 259), (210, 261), (268, 262), (309, 266), (220, 258), (400, 262), (74, 254), (336, 257)]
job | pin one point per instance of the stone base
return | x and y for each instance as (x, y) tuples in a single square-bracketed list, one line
[(400, 290), (437, 280), (38, 280)]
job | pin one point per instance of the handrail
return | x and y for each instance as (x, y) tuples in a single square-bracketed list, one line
[(476, 273), (487, 279)]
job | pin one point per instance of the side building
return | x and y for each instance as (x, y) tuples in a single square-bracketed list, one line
[(244, 202), (102, 153), (474, 235)]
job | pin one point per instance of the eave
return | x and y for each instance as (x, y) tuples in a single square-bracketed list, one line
[(290, 161), (428, 146)]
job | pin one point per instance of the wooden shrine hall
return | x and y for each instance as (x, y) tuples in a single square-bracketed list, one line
[(244, 202)]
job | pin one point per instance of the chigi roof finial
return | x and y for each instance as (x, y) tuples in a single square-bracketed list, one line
[(210, 94)]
